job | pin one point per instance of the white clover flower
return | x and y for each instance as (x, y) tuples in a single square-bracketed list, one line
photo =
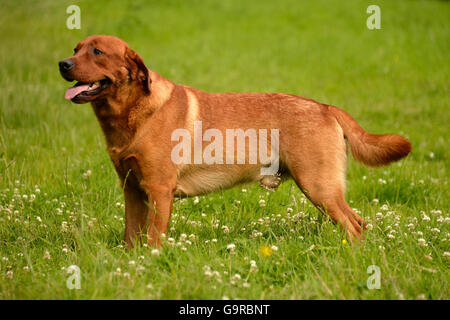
[(375, 200), (231, 246), (139, 269), (436, 212), (208, 274), (262, 203), (155, 252), (274, 248), (425, 217), (206, 268), (369, 226), (131, 263), (256, 234), (379, 215), (435, 230), (196, 200), (47, 255), (422, 242), (446, 254), (253, 266)]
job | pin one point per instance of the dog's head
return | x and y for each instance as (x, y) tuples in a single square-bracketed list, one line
[(102, 65)]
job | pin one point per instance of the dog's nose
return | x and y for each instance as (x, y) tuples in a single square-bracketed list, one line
[(66, 65)]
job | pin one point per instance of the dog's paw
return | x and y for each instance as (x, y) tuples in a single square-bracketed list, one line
[(270, 182)]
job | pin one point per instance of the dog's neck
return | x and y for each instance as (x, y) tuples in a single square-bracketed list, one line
[(121, 115)]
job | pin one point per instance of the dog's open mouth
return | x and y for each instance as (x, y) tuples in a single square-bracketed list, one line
[(85, 90)]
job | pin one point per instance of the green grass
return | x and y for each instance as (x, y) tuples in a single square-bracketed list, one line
[(391, 80)]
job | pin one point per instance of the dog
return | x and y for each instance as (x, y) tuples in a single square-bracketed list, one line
[(139, 111)]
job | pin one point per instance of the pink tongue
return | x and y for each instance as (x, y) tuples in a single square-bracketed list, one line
[(73, 91)]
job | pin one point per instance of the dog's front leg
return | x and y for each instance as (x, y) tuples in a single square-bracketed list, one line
[(136, 212), (161, 201)]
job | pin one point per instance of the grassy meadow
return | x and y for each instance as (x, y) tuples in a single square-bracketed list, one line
[(60, 199)]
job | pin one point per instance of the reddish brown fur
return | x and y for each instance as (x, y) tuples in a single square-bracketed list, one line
[(140, 109), (371, 149)]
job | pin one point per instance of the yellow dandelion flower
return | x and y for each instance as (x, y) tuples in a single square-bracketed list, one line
[(265, 251), (344, 242)]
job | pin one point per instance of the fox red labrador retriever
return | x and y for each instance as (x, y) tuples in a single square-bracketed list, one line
[(145, 116)]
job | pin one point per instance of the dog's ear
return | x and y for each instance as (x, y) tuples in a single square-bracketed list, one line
[(139, 70)]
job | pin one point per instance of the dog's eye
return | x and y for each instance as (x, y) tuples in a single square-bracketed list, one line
[(97, 52)]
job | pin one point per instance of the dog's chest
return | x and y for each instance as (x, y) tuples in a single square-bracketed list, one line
[(126, 166)]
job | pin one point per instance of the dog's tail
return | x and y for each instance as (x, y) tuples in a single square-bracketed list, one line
[(371, 149)]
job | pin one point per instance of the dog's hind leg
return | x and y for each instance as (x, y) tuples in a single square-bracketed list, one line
[(321, 176)]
